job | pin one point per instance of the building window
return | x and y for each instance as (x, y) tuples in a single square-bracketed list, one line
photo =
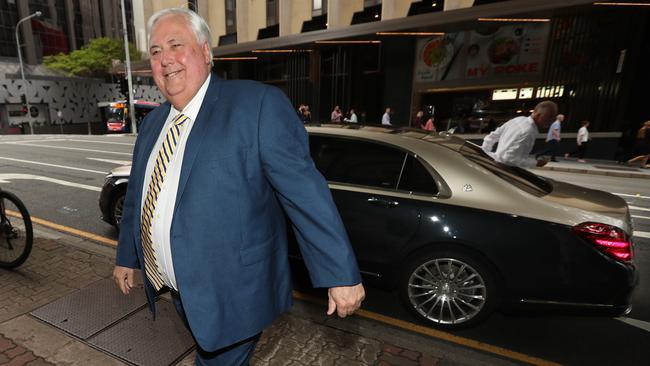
[(8, 20), (231, 17), (318, 7), (272, 10), (192, 5)]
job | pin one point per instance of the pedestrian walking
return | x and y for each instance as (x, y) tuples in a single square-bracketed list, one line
[(418, 121), (336, 114), (385, 119), (352, 118), (552, 139), (215, 148), (582, 140), (642, 146)]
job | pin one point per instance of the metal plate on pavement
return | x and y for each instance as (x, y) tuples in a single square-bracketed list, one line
[(91, 309), (141, 340)]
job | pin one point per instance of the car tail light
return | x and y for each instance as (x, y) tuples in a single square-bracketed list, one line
[(608, 239)]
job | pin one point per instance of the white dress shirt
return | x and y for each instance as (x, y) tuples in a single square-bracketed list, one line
[(352, 119), (385, 119), (516, 139), (162, 220)]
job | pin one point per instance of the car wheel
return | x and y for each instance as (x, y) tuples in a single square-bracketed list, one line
[(116, 207), (448, 289)]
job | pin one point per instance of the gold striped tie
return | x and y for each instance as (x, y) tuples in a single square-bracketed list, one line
[(155, 185)]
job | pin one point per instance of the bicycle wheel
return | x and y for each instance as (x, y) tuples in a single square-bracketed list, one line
[(16, 235)]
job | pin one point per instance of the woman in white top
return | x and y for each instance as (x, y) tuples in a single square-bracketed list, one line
[(582, 140)]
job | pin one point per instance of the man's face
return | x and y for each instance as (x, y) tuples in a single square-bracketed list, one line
[(179, 64)]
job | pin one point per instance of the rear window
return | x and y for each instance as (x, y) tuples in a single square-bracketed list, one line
[(518, 177), (356, 162)]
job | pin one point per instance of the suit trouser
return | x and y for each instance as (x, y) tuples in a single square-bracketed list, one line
[(238, 354)]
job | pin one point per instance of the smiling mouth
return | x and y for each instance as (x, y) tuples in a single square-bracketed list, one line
[(172, 74)]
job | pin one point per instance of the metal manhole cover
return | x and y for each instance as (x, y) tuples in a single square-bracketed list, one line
[(143, 341), (91, 309)]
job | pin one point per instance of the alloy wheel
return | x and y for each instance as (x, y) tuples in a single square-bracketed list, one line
[(447, 291)]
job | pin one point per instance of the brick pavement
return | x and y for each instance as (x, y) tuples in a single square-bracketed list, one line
[(61, 264)]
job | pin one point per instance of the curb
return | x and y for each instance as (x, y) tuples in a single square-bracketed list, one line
[(597, 172)]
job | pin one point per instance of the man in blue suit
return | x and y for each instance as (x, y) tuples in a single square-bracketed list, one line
[(215, 169)]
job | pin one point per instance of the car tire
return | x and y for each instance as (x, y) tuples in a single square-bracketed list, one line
[(448, 288), (117, 204)]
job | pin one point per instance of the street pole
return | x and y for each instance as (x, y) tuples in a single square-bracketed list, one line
[(22, 69), (134, 126)]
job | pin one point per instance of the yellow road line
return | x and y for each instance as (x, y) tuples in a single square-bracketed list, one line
[(469, 343), (67, 229)]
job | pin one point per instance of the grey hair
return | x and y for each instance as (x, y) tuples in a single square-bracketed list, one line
[(546, 107), (194, 21)]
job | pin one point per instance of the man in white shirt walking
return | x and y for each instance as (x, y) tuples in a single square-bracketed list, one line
[(353, 117), (385, 119), (516, 137)]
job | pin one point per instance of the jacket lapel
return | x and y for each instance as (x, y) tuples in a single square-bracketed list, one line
[(209, 108)]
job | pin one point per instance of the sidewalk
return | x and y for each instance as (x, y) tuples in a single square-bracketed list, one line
[(598, 167), (64, 269)]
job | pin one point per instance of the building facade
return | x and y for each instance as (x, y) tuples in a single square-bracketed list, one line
[(472, 64), (64, 26)]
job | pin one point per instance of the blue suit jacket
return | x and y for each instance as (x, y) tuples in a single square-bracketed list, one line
[(246, 162)]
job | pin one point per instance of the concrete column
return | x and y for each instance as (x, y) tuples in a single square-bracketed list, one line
[(214, 13), (108, 20), (72, 33), (251, 17), (340, 12), (141, 13), (457, 4), (292, 15), (26, 35), (164, 4), (394, 9)]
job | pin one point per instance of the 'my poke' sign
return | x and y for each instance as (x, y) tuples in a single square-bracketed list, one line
[(487, 52), (510, 50)]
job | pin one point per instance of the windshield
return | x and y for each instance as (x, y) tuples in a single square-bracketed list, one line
[(521, 178), (115, 114)]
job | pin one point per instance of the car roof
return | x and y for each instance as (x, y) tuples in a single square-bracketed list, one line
[(404, 137)]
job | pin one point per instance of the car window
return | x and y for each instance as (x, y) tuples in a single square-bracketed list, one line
[(356, 162), (521, 178), (416, 178)]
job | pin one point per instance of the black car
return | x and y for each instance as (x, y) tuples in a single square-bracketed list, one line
[(457, 234)]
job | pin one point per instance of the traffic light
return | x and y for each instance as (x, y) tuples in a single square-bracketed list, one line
[(124, 87), (23, 101)]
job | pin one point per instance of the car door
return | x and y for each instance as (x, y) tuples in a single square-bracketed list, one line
[(363, 176)]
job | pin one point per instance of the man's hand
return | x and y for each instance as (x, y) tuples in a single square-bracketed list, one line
[(541, 163), (123, 276), (345, 299)]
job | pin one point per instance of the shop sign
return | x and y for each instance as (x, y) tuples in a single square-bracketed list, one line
[(506, 51), (484, 53)]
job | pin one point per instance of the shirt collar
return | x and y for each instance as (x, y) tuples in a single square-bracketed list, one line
[(192, 108)]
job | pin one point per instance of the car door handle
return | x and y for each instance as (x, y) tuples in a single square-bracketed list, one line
[(382, 202)]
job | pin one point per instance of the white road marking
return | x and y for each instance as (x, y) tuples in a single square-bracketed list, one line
[(28, 141), (102, 142), (75, 148), (636, 323), (118, 162), (4, 178), (642, 234), (631, 195), (54, 165), (641, 217), (639, 208)]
